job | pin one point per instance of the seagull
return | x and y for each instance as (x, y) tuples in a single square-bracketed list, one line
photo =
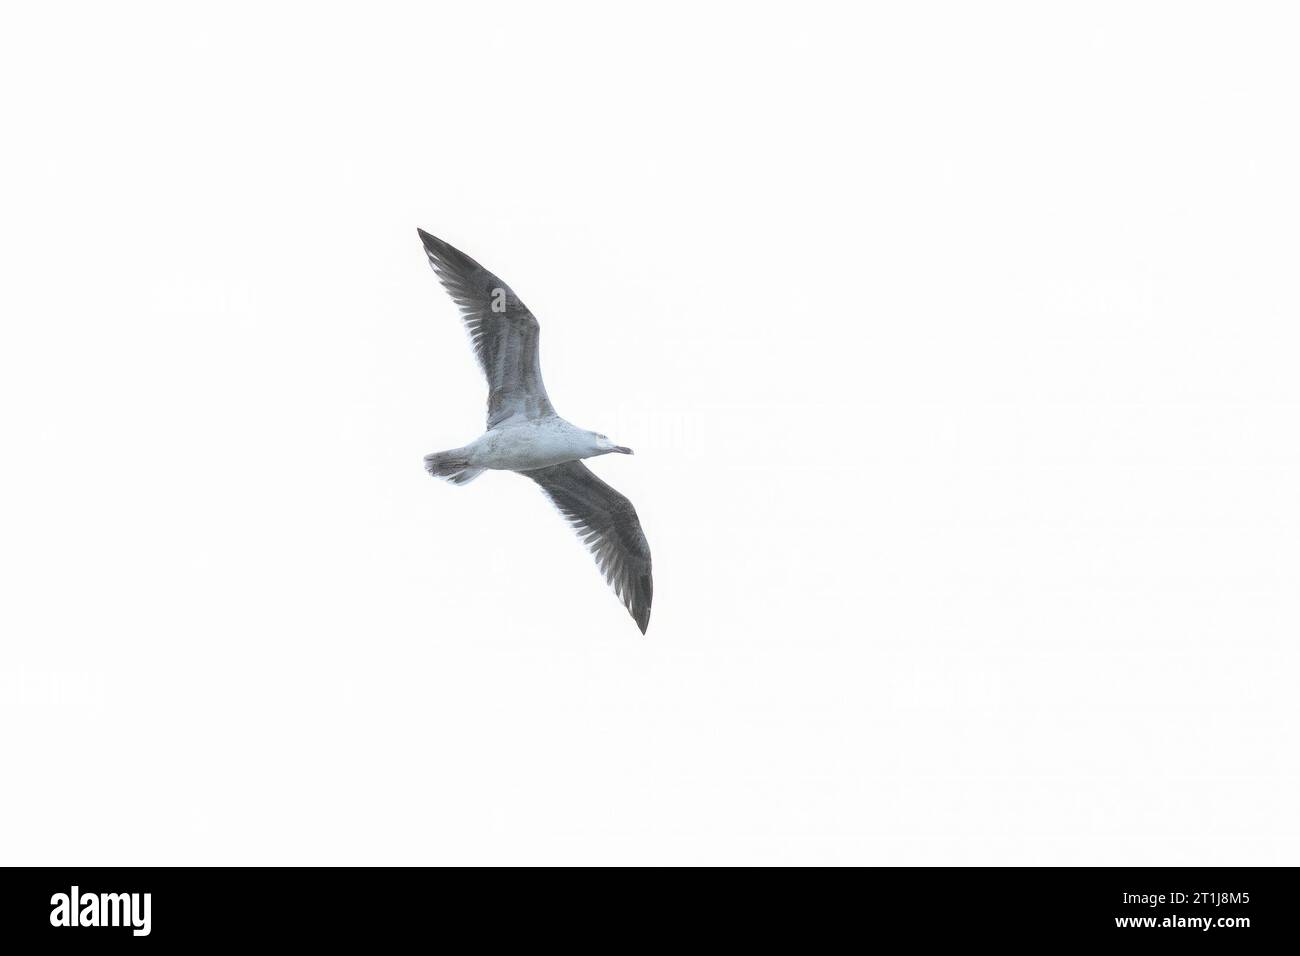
[(524, 433)]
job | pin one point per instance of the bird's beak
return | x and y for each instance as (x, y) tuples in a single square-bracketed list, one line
[(623, 450)]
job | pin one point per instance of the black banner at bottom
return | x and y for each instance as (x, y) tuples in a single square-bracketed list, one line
[(97, 908)]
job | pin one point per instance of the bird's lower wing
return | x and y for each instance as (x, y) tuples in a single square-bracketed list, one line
[(504, 333), (608, 525)]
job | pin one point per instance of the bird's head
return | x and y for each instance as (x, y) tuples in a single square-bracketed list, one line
[(604, 446)]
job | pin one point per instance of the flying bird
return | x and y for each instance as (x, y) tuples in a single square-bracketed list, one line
[(524, 433)]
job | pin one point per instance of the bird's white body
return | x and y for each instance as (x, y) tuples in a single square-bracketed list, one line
[(526, 444)]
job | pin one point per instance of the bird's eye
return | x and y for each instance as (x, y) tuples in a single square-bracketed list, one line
[(599, 435)]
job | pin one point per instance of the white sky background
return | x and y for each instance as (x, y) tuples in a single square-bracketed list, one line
[(958, 349)]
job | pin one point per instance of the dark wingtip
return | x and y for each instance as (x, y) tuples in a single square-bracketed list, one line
[(446, 254), (642, 615)]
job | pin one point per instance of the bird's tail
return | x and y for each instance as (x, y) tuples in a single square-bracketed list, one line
[(452, 466)]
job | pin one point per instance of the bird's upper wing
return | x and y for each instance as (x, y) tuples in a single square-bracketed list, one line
[(502, 329), (607, 523)]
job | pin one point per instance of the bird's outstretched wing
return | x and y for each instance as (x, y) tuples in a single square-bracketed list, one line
[(502, 329), (607, 524)]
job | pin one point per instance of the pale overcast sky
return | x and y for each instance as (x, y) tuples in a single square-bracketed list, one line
[(957, 347)]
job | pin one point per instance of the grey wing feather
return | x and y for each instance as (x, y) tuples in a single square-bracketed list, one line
[(504, 333), (607, 523)]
